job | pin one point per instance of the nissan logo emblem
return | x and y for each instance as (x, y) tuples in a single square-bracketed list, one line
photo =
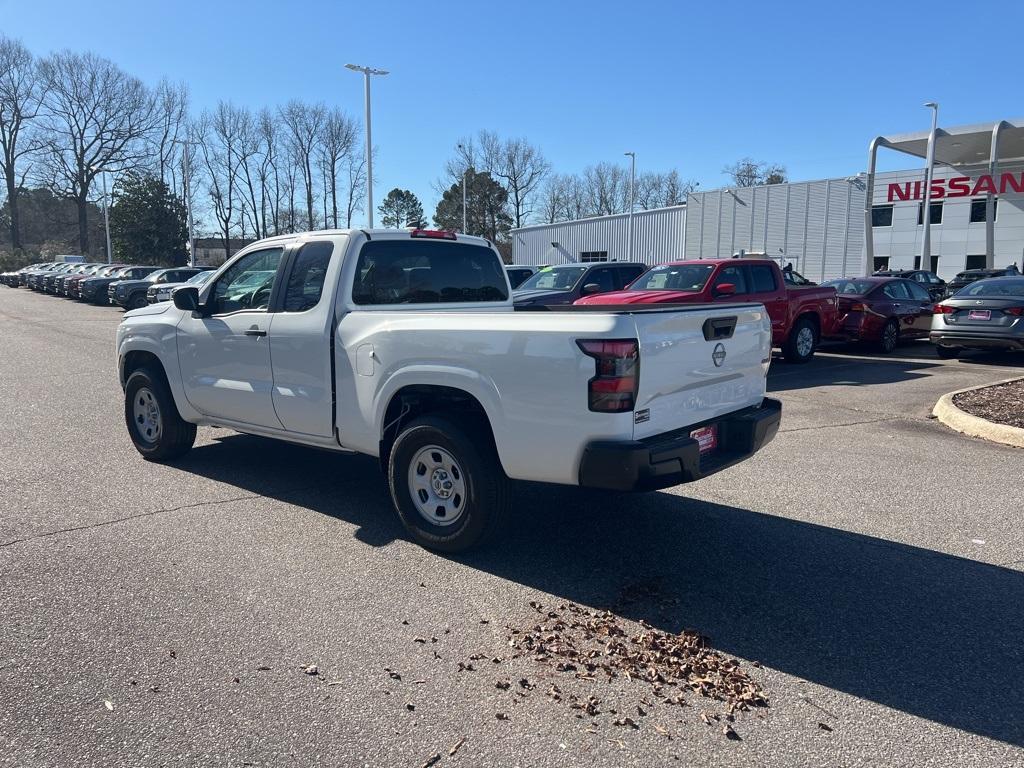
[(718, 356)]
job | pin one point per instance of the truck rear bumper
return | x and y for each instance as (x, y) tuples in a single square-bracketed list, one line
[(674, 457)]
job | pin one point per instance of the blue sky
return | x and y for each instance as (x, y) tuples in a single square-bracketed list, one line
[(685, 85)]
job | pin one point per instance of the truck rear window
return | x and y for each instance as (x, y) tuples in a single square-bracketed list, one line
[(418, 272)]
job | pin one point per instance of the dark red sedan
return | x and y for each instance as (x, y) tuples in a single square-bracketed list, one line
[(881, 310)]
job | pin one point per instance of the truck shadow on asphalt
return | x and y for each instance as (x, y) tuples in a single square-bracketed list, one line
[(933, 635)]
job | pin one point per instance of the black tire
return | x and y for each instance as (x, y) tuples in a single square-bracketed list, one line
[(947, 353), (795, 349), (890, 337), (174, 436), (487, 490), (135, 301)]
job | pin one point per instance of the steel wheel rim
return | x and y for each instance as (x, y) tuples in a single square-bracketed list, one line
[(804, 341), (437, 486), (146, 416)]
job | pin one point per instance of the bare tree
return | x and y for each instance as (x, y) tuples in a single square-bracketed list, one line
[(270, 181), (660, 190), (607, 189), (303, 124), (520, 167), (171, 104), (219, 134), (20, 96), (355, 169), (96, 117), (338, 144), (748, 172)]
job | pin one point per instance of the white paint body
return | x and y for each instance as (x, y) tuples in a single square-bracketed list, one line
[(524, 368)]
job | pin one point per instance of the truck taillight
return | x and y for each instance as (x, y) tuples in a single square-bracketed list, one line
[(617, 374)]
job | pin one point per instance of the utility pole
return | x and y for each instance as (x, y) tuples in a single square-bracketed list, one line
[(106, 212), (632, 197), (367, 71), (926, 216)]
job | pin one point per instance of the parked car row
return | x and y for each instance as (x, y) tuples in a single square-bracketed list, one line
[(128, 286), (977, 309)]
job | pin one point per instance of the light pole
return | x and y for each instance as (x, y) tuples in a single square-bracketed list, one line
[(188, 200), (632, 196), (465, 228), (367, 71), (106, 213), (926, 216)]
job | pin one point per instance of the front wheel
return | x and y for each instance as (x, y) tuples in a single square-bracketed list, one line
[(154, 424), (138, 301), (802, 341), (447, 484)]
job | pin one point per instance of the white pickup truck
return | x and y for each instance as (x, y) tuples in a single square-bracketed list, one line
[(406, 346)]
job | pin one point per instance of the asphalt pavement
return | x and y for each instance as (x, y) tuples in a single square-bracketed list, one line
[(866, 568)]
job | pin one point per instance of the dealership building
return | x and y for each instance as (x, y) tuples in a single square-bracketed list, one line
[(844, 226)]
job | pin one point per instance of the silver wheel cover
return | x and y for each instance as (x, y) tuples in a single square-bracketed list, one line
[(437, 486)]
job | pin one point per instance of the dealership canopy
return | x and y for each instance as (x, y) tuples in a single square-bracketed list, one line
[(967, 145)]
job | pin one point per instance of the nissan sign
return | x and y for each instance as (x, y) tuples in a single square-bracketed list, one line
[(958, 186)]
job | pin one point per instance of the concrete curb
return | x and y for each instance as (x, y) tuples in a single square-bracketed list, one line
[(954, 418)]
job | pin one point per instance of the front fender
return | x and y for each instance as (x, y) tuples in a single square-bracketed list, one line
[(159, 340)]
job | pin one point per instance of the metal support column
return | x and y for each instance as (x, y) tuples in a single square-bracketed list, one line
[(869, 199), (990, 203)]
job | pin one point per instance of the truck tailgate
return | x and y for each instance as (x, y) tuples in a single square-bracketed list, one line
[(698, 362)]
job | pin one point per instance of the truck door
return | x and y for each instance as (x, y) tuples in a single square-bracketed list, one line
[(764, 288), (300, 338), (224, 352)]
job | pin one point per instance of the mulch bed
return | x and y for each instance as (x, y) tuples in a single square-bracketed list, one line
[(1002, 403)]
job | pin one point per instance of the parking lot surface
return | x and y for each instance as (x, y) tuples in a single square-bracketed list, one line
[(867, 568)]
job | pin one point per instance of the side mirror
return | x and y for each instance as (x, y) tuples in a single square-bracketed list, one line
[(590, 289), (186, 298), (725, 289)]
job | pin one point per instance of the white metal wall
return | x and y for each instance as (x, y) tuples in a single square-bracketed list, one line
[(819, 225), (657, 237)]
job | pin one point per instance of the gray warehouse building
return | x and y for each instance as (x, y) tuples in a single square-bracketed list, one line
[(821, 227)]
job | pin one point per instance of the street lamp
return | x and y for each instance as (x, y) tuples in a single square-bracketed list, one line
[(188, 200), (367, 71), (465, 228), (926, 239), (632, 196), (106, 214)]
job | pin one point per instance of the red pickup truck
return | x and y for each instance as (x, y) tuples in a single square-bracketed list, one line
[(800, 315)]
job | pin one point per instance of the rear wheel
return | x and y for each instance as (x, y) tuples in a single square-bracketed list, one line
[(447, 484), (890, 337), (802, 341), (154, 424), (947, 353)]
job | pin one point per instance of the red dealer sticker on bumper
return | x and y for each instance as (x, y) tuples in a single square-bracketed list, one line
[(706, 437)]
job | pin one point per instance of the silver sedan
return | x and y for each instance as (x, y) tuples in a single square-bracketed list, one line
[(987, 314)]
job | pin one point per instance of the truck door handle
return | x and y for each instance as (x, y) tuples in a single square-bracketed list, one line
[(254, 331)]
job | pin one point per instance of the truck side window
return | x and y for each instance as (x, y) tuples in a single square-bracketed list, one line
[(604, 277), (306, 281), (762, 278), (626, 275), (246, 284), (732, 275)]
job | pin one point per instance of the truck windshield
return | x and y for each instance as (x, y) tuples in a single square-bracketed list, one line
[(673, 277), (427, 272), (554, 279)]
